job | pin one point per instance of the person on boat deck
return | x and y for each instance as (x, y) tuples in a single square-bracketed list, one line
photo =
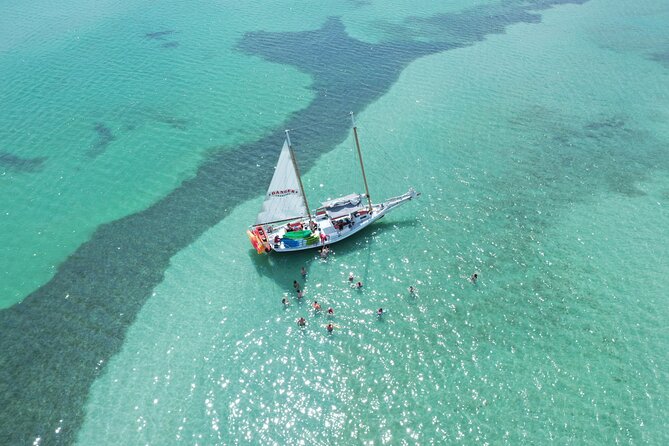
[(294, 227), (277, 239)]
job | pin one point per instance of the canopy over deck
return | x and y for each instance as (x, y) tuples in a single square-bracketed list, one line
[(342, 206)]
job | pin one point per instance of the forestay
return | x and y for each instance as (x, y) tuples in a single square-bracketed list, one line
[(284, 200)]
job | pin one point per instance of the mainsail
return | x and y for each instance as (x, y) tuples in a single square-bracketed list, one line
[(284, 200)]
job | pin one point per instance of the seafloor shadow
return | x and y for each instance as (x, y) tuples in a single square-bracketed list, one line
[(55, 343), (13, 163)]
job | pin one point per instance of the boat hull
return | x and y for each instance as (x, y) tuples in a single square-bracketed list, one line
[(325, 231)]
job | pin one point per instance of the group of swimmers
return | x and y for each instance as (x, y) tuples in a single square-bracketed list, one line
[(351, 278), (302, 322)]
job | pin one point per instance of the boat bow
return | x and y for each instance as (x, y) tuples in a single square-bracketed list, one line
[(391, 203)]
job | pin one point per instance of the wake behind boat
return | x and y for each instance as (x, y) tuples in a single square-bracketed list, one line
[(286, 224)]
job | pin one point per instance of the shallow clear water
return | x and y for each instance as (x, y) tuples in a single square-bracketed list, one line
[(541, 155)]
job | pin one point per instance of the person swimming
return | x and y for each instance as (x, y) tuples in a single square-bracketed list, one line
[(330, 327), (379, 312), (296, 285), (302, 322), (358, 285), (317, 306), (412, 290), (303, 271), (284, 301), (350, 277), (474, 278), (330, 312)]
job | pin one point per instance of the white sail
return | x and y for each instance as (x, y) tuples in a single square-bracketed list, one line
[(284, 200)]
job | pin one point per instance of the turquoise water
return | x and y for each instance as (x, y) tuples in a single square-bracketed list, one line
[(137, 144)]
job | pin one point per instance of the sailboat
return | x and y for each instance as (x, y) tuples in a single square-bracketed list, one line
[(285, 223)]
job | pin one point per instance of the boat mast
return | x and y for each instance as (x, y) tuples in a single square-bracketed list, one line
[(362, 166), (299, 178)]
